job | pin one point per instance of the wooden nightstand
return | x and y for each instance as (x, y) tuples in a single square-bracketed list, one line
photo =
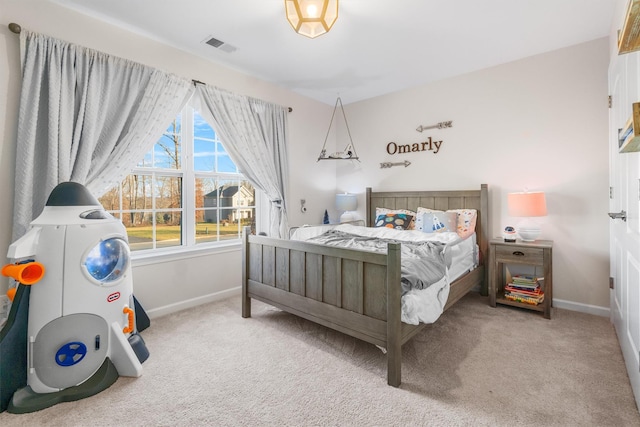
[(536, 253)]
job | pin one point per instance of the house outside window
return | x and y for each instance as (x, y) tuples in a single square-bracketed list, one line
[(185, 193)]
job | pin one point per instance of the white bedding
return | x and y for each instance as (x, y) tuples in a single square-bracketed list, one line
[(418, 305), (422, 305)]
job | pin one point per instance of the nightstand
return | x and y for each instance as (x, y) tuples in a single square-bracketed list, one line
[(536, 253)]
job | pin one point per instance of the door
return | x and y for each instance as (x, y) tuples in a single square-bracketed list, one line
[(624, 179)]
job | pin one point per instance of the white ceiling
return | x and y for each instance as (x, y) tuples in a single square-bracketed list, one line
[(375, 47)]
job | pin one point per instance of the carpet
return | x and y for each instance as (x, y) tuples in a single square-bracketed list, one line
[(476, 365)]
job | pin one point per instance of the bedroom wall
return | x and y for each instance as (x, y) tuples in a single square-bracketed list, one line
[(163, 285), (539, 123)]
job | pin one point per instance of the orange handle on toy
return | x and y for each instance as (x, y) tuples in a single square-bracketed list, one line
[(131, 316), (11, 293), (27, 273)]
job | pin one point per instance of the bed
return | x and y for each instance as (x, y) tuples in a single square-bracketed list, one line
[(347, 289)]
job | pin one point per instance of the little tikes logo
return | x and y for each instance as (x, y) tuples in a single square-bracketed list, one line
[(113, 297)]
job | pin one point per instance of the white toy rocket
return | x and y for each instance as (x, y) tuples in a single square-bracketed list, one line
[(81, 328)]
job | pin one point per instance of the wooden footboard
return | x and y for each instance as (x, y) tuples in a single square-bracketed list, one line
[(343, 289), (355, 292)]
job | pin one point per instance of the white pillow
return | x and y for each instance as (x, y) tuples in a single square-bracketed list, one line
[(439, 222), (465, 222)]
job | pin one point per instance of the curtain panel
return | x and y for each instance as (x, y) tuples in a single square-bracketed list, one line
[(254, 134), (84, 116)]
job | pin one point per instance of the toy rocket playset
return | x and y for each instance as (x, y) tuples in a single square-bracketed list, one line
[(73, 325)]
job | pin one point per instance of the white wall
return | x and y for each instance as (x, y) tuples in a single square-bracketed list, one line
[(538, 123), (160, 285)]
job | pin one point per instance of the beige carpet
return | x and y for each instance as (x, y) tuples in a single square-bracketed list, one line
[(477, 366)]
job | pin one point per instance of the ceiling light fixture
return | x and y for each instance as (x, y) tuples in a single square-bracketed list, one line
[(311, 18)]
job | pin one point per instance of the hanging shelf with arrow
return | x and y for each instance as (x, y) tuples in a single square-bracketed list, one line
[(349, 152)]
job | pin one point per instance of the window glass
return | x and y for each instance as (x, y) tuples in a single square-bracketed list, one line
[(227, 206), (167, 202), (224, 163), (167, 151), (168, 228)]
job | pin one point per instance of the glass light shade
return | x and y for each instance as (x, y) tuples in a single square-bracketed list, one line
[(311, 18)]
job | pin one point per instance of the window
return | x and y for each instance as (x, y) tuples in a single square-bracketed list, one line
[(185, 192)]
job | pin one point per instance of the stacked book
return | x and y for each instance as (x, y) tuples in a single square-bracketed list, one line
[(524, 288)]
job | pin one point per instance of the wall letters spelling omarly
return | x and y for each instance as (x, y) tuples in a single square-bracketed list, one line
[(430, 145)]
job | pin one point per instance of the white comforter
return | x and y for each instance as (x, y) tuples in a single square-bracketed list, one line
[(418, 305)]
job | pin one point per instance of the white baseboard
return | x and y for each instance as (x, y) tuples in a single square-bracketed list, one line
[(193, 302), (574, 306), (582, 308), (228, 293)]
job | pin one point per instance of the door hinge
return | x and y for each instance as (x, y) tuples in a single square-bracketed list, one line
[(610, 101), (611, 283), (611, 193)]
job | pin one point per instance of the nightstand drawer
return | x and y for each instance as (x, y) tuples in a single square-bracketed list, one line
[(519, 254)]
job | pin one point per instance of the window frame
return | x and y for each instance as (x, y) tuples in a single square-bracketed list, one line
[(188, 246)]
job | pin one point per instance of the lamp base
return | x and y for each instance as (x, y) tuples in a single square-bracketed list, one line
[(529, 231), (529, 235), (347, 217)]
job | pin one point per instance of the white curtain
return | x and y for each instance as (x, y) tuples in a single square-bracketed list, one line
[(254, 135), (84, 116)]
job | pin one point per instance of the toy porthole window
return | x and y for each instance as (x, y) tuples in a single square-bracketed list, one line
[(107, 261)]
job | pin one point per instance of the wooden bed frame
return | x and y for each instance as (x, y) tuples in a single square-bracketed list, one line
[(347, 290)]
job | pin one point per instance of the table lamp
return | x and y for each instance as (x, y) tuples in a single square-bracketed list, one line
[(346, 203), (527, 205)]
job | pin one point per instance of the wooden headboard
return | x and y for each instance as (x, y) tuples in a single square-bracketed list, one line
[(438, 200)]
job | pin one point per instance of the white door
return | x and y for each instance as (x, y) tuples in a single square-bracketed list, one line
[(624, 179)]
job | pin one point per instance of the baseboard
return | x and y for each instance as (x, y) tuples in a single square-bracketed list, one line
[(574, 306), (193, 302), (582, 308), (228, 293)]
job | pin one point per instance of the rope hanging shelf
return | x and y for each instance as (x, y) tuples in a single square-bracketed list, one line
[(349, 152)]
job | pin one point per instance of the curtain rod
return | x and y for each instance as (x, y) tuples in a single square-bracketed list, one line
[(198, 82), (15, 28)]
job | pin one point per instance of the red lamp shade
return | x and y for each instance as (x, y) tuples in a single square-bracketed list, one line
[(527, 204)]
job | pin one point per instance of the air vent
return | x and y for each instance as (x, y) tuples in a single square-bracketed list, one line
[(214, 42), (219, 44)]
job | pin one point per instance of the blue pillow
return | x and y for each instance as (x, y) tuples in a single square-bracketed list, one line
[(399, 221)]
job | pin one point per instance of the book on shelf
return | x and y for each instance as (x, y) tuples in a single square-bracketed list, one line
[(524, 291), (532, 300), (524, 286), (525, 279)]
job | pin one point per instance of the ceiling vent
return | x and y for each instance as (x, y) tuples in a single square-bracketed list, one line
[(219, 44)]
